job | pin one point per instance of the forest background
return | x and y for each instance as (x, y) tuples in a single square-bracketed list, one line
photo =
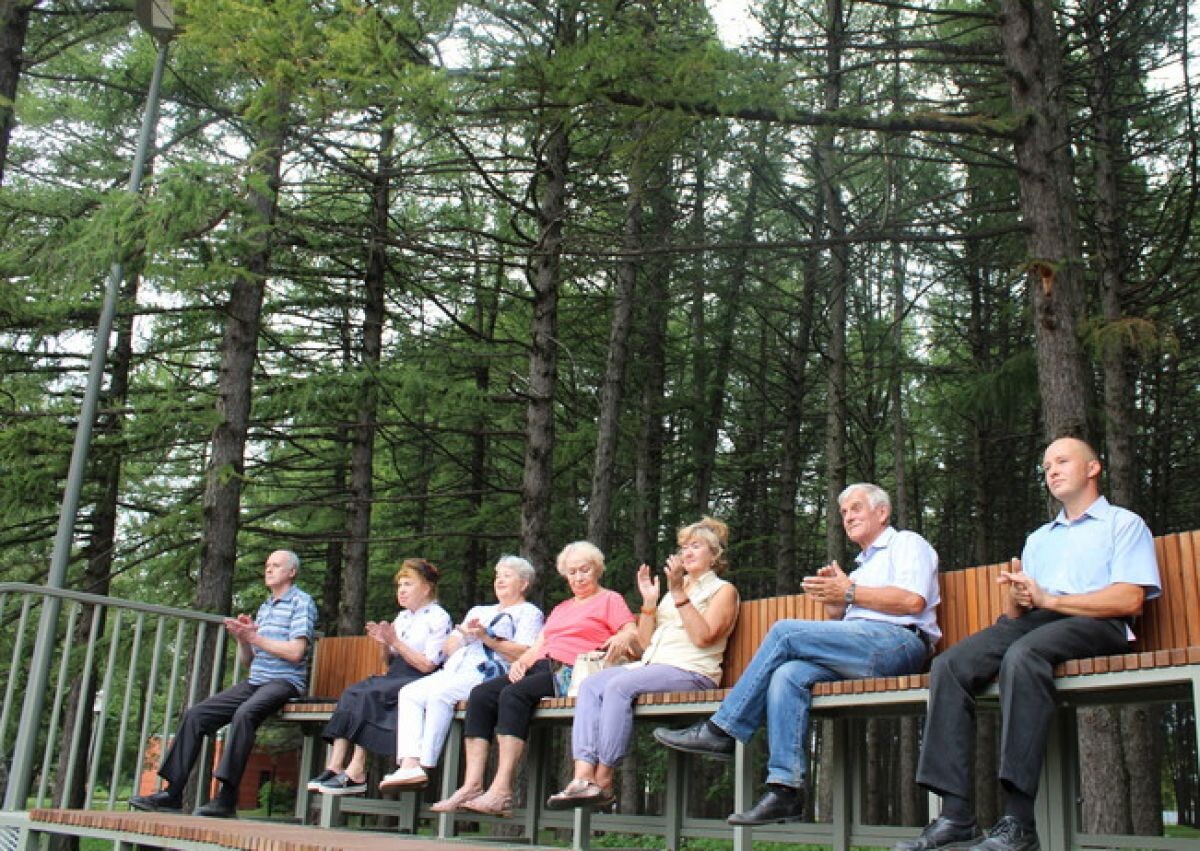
[(460, 279)]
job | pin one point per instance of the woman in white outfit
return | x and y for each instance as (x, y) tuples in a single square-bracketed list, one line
[(480, 648)]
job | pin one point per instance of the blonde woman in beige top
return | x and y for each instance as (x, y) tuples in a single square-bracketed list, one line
[(683, 631)]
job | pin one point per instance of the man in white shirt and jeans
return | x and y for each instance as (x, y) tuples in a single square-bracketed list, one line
[(882, 624)]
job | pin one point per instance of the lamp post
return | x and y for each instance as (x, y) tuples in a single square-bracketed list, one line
[(157, 18)]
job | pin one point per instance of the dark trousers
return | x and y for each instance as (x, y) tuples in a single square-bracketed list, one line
[(1022, 653), (503, 707), (243, 707)]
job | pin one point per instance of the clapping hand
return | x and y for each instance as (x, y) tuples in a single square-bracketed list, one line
[(648, 586), (1022, 589), (474, 628), (242, 628), (675, 573), (829, 585)]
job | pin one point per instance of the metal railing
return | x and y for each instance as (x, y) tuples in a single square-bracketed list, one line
[(123, 672)]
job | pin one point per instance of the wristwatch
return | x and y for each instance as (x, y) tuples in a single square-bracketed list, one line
[(848, 597)]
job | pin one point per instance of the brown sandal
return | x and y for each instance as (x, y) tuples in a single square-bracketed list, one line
[(581, 793), (566, 799), (455, 801), (490, 804)]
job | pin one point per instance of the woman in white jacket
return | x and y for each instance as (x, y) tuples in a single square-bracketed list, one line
[(481, 647)]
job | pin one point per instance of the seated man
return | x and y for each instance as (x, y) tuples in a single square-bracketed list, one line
[(882, 624), (274, 646), (1083, 575)]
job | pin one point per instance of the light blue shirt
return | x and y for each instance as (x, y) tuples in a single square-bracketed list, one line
[(293, 615), (1105, 544), (903, 560)]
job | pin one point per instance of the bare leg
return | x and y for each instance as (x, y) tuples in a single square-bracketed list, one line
[(357, 769), (584, 770), (603, 776), (337, 755), (510, 750), (477, 762)]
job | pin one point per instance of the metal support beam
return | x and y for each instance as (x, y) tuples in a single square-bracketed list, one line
[(21, 774)]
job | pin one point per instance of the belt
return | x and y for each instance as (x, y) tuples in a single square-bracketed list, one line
[(919, 633)]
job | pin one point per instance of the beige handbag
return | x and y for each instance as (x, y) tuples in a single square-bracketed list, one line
[(585, 665)]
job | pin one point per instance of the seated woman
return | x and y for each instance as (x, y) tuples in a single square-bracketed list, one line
[(480, 648), (593, 618), (684, 634), (365, 717)]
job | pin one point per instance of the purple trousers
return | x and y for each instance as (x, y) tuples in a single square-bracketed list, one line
[(604, 707)]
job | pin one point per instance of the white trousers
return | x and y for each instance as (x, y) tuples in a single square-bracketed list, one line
[(426, 708)]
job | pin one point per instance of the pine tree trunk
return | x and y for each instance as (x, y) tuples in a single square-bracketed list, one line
[(486, 311), (14, 25), (543, 351), (787, 571), (651, 363), (1045, 171), (612, 391), (239, 347), (709, 404), (353, 599), (1136, 738), (835, 382)]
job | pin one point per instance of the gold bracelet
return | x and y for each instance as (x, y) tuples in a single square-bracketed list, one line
[(650, 612)]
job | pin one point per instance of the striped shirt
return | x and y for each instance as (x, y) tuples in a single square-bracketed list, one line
[(292, 615)]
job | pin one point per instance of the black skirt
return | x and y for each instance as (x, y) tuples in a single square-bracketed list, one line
[(366, 711)]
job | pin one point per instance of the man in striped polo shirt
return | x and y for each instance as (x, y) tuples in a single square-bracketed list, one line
[(275, 648)]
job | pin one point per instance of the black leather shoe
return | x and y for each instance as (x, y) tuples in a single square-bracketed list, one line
[(941, 833), (1008, 834), (216, 808), (159, 802), (701, 738), (780, 804)]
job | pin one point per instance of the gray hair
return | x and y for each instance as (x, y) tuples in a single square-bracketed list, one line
[(293, 559), (876, 496), (586, 550), (520, 566)]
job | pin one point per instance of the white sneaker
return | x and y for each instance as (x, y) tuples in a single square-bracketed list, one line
[(404, 777)]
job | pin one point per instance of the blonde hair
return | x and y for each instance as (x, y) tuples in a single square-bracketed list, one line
[(586, 550), (712, 532)]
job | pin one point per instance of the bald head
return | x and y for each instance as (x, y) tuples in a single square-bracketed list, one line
[(1072, 471)]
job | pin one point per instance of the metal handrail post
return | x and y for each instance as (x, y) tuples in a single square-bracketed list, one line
[(21, 772)]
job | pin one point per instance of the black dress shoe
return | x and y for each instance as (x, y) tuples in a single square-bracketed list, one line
[(216, 808), (941, 833), (780, 804), (1008, 834), (159, 802), (701, 737)]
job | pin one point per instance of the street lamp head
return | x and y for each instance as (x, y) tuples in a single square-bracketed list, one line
[(157, 17)]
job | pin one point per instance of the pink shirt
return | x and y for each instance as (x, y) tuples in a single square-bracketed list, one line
[(576, 627)]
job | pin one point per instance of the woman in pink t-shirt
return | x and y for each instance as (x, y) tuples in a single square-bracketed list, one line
[(593, 618)]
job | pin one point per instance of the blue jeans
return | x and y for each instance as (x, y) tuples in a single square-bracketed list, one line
[(796, 654)]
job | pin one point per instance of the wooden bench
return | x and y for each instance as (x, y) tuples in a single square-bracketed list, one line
[(1164, 666)]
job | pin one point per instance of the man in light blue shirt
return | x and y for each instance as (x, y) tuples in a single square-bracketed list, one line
[(1083, 576), (275, 648), (882, 624)]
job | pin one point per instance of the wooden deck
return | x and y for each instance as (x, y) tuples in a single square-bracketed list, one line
[(161, 830)]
